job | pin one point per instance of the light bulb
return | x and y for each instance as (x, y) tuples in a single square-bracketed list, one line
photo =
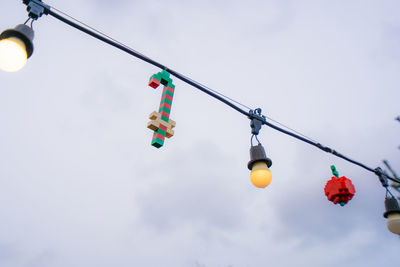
[(15, 47), (393, 223), (260, 175), (392, 213), (13, 55)]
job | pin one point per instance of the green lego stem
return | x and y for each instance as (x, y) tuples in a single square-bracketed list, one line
[(163, 75), (334, 171), (157, 76)]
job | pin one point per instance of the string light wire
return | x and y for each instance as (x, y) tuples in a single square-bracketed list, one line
[(130, 48), (224, 99), (210, 89)]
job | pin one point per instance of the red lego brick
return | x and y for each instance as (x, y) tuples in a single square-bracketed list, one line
[(159, 136), (164, 104), (170, 98), (163, 127), (154, 83), (165, 114), (172, 90)]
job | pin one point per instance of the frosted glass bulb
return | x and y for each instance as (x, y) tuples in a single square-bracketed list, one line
[(13, 54), (393, 223), (260, 175)]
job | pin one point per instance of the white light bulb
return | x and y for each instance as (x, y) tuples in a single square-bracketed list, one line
[(393, 223), (13, 54)]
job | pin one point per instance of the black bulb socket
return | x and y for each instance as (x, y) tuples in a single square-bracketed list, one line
[(257, 154), (22, 32), (392, 206)]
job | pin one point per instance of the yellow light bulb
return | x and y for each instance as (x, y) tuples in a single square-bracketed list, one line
[(260, 175), (13, 55), (393, 223)]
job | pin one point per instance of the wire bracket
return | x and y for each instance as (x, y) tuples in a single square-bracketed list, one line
[(382, 177), (256, 120), (36, 8)]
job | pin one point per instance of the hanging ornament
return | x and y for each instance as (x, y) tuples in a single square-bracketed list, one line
[(339, 190), (160, 122)]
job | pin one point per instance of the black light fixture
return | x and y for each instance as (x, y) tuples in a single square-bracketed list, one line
[(392, 214), (15, 47), (259, 163)]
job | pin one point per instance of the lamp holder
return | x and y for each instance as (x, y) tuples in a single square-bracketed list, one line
[(23, 32), (36, 8), (256, 120), (257, 154), (392, 206)]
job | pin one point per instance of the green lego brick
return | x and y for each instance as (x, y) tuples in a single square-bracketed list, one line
[(168, 93), (162, 132), (334, 171), (166, 100), (158, 76), (157, 143), (164, 73), (165, 109), (164, 118)]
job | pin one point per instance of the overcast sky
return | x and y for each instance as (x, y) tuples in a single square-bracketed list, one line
[(80, 184)]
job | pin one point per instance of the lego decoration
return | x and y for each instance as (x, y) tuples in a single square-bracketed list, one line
[(339, 190), (160, 122)]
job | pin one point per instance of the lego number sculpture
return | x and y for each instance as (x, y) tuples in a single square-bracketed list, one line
[(160, 122)]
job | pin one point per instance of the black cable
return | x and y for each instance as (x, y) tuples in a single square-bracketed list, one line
[(205, 90), (389, 193), (324, 148), (118, 42), (146, 59)]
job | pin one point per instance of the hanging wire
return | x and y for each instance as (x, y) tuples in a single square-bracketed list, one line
[(32, 24), (224, 99), (27, 21), (390, 193), (251, 140)]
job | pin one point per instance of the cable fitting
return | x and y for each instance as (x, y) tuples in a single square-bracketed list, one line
[(256, 120), (36, 8), (382, 177), (326, 149)]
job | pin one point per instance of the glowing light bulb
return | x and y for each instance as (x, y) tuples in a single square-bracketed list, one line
[(393, 223), (13, 55), (15, 47), (260, 175)]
